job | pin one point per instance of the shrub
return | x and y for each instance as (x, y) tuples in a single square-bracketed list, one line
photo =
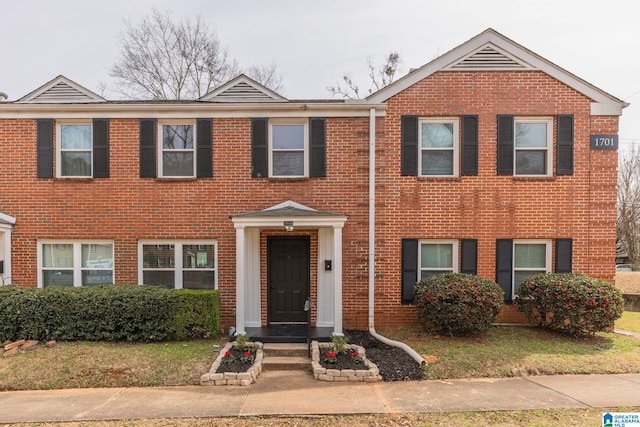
[(570, 303), (113, 313), (197, 316), (457, 304)]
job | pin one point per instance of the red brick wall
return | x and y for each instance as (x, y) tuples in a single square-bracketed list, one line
[(125, 208), (488, 206)]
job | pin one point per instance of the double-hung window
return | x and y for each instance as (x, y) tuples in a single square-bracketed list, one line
[(177, 149), (75, 149), (532, 143), (437, 256), (289, 145), (178, 264), (438, 145), (63, 263), (530, 257)]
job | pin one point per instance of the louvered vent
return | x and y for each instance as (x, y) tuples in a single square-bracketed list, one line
[(242, 92), (62, 92), (488, 58)]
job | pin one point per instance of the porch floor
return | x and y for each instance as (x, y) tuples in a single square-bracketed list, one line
[(288, 333)]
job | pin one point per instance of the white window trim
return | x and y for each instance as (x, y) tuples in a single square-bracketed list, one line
[(455, 121), (549, 156), (59, 124), (547, 268), (77, 258), (454, 254), (305, 154), (161, 149), (178, 266)]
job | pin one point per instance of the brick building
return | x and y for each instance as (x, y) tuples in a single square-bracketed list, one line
[(488, 160)]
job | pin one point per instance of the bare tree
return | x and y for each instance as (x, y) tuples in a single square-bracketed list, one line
[(164, 59), (266, 75), (628, 221), (380, 77)]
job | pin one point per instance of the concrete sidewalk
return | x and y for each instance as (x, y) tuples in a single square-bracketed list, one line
[(297, 393)]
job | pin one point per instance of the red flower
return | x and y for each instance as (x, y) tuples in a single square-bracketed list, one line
[(330, 354), (227, 354), (355, 354), (247, 353)]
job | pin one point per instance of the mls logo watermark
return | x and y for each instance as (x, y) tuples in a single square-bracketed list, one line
[(621, 419)]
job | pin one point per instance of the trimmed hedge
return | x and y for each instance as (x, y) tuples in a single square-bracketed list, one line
[(458, 304), (110, 313), (570, 303)]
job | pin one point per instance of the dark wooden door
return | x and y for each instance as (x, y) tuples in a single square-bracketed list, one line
[(287, 278)]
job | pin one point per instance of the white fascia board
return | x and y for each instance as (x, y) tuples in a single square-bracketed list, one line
[(7, 219), (514, 49), (299, 222), (187, 111)]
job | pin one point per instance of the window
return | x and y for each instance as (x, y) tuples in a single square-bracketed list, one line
[(177, 150), (533, 138), (530, 257), (288, 144), (437, 256), (75, 152), (438, 147), (75, 263), (178, 265)]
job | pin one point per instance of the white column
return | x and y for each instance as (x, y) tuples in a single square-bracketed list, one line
[(240, 279), (337, 280)]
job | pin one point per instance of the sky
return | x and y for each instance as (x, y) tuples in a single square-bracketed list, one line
[(314, 43)]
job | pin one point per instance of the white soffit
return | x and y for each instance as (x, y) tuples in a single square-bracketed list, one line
[(242, 89), (61, 90)]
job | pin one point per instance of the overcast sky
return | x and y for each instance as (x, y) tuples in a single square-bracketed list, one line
[(314, 43)]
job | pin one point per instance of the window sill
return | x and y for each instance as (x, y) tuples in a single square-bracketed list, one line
[(440, 178), (172, 179), (292, 179), (533, 178)]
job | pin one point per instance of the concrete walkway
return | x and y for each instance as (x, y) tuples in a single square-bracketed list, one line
[(297, 393)]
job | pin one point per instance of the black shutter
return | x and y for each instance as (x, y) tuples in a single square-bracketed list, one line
[(259, 154), (409, 269), (317, 153), (469, 257), (469, 145), (505, 145), (409, 147), (564, 155), (205, 148), (44, 146), (101, 148), (564, 255), (504, 270), (147, 148)]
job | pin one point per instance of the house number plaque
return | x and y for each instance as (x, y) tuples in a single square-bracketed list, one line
[(604, 142)]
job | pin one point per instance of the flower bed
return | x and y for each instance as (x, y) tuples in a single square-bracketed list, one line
[(368, 373), (244, 378)]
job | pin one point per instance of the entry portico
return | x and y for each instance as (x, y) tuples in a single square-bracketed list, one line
[(251, 287)]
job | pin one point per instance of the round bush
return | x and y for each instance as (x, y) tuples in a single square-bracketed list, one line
[(457, 304), (570, 303)]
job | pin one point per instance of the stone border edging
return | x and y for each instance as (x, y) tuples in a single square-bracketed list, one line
[(370, 374), (234, 378)]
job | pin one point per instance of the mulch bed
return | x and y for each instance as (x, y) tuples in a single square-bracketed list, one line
[(237, 365), (394, 363)]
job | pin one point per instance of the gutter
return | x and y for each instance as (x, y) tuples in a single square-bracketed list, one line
[(372, 234)]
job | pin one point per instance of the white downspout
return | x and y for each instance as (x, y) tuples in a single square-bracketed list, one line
[(372, 236)]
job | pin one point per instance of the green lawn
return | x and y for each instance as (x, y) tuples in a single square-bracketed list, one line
[(630, 321)]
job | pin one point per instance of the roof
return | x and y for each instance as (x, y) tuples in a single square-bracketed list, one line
[(242, 89), (61, 90), (492, 51), (287, 209)]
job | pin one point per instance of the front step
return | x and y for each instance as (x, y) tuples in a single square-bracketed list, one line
[(286, 357)]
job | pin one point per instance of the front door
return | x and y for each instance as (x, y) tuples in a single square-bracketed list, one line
[(287, 278)]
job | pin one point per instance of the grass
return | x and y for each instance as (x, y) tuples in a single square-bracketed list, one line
[(630, 321), (529, 418), (107, 364), (628, 282), (518, 350)]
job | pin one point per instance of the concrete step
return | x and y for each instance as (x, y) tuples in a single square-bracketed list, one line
[(286, 350), (286, 363)]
